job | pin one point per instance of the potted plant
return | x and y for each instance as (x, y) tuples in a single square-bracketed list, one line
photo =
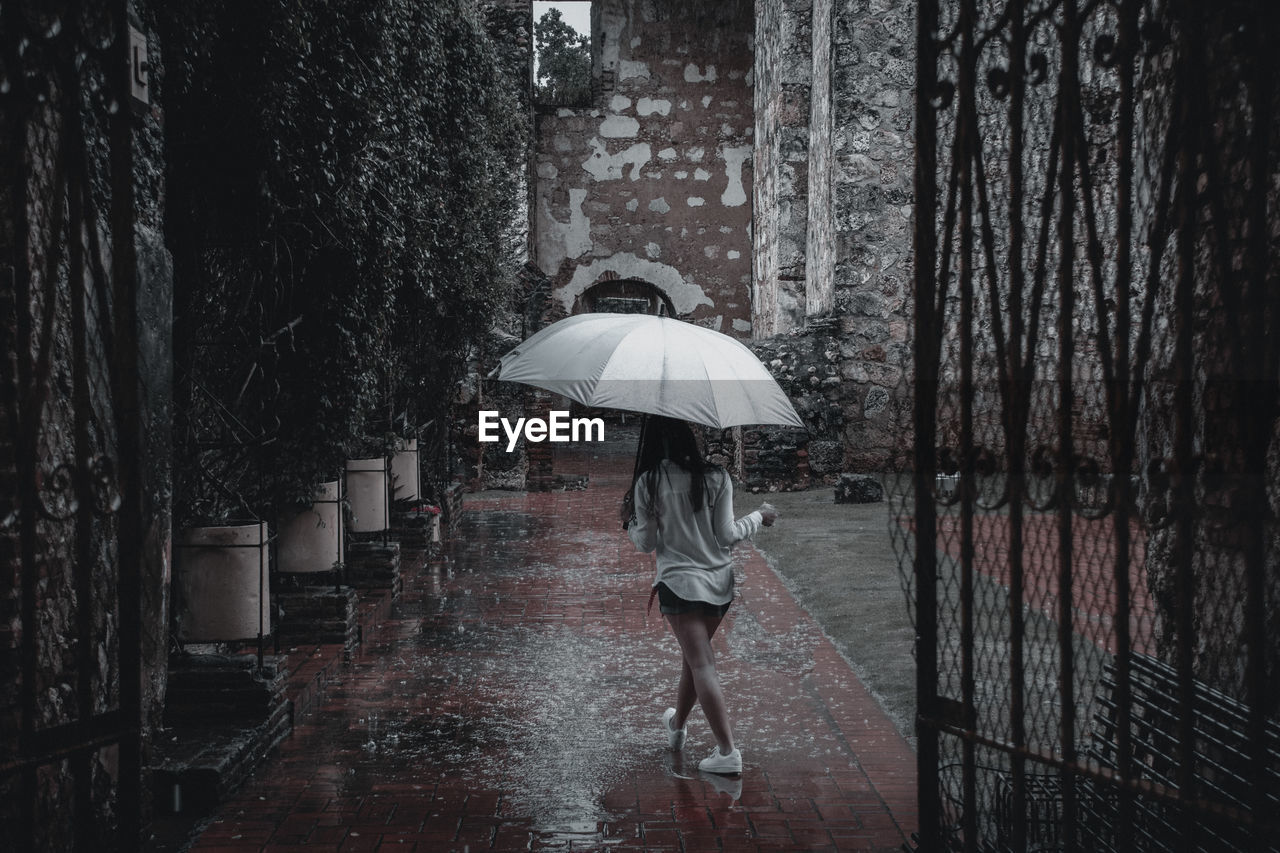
[(406, 477), (368, 481), (222, 579), (310, 539)]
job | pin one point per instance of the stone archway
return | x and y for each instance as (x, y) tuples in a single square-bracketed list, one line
[(624, 296), (615, 295)]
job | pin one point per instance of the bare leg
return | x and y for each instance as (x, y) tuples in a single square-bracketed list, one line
[(686, 694), (693, 632)]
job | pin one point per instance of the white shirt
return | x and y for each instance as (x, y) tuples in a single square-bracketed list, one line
[(693, 547)]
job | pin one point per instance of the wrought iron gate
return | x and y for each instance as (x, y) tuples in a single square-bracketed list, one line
[(1090, 528), (71, 530)]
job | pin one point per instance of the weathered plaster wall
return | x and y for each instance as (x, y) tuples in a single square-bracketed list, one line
[(654, 181)]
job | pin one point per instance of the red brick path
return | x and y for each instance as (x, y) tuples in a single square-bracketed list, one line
[(512, 703)]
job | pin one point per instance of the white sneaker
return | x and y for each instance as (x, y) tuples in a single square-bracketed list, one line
[(675, 737), (718, 762)]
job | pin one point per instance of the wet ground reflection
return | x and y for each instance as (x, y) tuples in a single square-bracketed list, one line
[(513, 703)]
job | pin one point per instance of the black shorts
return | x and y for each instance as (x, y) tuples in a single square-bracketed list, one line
[(672, 604)]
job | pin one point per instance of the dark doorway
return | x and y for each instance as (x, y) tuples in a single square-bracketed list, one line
[(624, 296)]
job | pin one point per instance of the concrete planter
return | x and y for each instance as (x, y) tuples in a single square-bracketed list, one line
[(311, 541), (368, 493), (406, 481), (223, 590)]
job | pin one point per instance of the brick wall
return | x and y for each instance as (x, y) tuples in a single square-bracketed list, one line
[(653, 182)]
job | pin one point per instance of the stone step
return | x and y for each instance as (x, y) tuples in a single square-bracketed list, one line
[(374, 565), (228, 688), (203, 765), (319, 615)]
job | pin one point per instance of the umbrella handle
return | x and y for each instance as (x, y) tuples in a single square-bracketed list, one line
[(629, 497), (635, 472)]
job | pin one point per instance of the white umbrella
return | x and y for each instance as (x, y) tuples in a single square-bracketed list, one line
[(656, 365)]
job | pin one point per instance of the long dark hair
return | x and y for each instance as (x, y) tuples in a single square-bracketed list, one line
[(665, 438)]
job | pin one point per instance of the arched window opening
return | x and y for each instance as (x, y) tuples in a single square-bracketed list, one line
[(624, 296)]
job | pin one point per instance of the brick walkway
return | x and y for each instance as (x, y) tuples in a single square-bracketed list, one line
[(511, 702)]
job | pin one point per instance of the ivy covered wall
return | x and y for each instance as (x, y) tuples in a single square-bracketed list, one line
[(344, 182)]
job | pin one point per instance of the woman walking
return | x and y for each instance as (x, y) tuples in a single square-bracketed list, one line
[(682, 507)]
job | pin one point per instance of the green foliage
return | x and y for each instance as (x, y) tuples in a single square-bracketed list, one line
[(343, 185), (564, 61)]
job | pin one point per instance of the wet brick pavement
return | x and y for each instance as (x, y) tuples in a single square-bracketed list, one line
[(511, 701)]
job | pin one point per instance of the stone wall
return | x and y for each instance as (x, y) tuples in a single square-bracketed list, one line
[(820, 369), (783, 77), (834, 159), (820, 242), (510, 25), (653, 183), (1233, 426), (872, 168)]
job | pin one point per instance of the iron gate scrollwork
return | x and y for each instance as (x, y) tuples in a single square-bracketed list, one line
[(1089, 532), (71, 534)]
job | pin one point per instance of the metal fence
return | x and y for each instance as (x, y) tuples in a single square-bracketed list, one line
[(1088, 527), (70, 524)]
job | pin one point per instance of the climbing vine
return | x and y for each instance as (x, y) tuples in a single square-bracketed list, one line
[(343, 188)]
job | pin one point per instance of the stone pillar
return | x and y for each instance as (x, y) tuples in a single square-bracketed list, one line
[(540, 476), (820, 239), (872, 154), (783, 88)]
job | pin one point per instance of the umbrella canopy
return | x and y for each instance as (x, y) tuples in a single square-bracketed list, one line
[(656, 365)]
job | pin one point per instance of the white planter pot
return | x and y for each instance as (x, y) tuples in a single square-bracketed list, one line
[(367, 494), (311, 541), (405, 477), (223, 585)]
